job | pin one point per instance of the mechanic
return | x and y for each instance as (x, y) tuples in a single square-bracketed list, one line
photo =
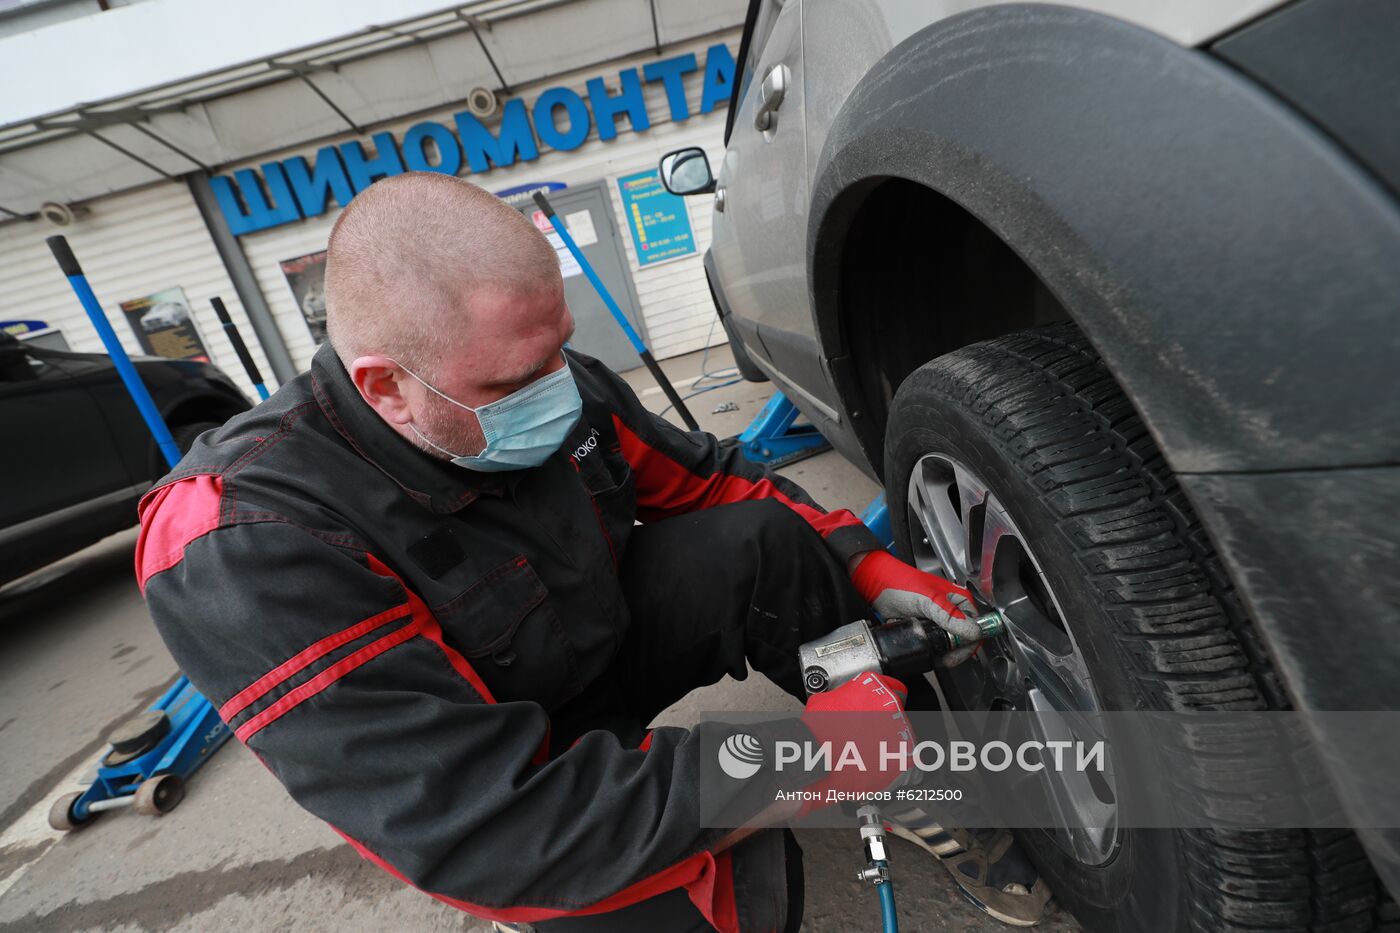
[(415, 586)]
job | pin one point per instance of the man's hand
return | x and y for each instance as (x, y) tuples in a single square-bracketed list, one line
[(898, 591), (867, 710)]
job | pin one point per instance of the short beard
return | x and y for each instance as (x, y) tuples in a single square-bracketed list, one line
[(449, 433)]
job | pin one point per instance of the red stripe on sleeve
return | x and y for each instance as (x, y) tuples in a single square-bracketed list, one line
[(304, 659), (706, 877), (665, 488), (422, 623), (173, 516), (428, 627), (321, 681)]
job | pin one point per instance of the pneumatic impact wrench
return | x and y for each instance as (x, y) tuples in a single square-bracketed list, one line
[(900, 648)]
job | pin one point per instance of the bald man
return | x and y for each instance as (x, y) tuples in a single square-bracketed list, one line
[(415, 585)]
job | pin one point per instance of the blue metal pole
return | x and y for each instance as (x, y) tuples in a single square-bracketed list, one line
[(182, 739), (626, 325), (139, 394), (597, 283)]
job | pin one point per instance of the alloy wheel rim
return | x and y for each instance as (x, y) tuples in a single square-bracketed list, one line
[(960, 529)]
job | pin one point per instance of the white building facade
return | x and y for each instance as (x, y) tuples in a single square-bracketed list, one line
[(582, 94)]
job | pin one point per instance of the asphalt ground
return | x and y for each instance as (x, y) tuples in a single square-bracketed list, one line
[(78, 654)]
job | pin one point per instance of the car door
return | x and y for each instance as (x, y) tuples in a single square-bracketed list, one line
[(59, 452), (760, 226)]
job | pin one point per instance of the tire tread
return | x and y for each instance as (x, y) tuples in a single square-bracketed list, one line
[(1047, 396)]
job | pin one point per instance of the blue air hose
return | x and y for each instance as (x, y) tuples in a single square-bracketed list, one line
[(886, 889)]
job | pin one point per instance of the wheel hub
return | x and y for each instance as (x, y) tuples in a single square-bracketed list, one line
[(961, 530)]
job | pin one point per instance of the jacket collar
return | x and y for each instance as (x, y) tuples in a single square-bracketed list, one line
[(440, 486)]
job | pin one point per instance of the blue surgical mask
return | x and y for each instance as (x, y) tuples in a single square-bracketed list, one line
[(522, 429)]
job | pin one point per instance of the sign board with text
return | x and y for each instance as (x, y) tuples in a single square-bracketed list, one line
[(657, 218), (164, 325)]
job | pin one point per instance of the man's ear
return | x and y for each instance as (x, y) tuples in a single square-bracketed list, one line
[(378, 379)]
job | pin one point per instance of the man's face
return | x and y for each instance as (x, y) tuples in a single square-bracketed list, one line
[(513, 338)]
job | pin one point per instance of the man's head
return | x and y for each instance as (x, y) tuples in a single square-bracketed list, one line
[(431, 274)]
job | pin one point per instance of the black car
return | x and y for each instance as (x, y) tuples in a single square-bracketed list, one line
[(78, 454)]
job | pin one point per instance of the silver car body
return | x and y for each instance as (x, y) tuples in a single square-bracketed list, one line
[(827, 46)]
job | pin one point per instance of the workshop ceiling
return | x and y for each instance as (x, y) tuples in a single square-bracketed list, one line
[(335, 84)]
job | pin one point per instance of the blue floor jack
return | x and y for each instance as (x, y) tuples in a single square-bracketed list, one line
[(150, 757), (773, 439), (152, 754), (877, 518)]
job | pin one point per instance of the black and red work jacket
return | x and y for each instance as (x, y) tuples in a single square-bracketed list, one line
[(393, 634)]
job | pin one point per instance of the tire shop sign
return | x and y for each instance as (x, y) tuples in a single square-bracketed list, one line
[(289, 190)]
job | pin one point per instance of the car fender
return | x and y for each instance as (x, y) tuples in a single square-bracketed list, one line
[(1232, 264)]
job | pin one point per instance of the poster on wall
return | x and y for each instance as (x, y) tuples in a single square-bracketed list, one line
[(306, 277), (568, 265), (164, 325), (657, 218)]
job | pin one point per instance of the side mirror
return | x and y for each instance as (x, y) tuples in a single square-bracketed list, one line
[(687, 171)]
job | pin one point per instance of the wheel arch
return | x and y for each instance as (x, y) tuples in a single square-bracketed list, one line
[(191, 407), (1224, 256), (202, 406)]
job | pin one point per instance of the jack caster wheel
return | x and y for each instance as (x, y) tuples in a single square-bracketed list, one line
[(159, 795), (61, 813)]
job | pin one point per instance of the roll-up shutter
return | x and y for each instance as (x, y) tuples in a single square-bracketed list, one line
[(130, 245)]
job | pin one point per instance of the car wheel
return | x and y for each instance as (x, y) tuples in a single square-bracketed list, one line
[(185, 434), (1019, 468)]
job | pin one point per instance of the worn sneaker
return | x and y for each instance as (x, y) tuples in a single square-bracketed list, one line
[(989, 867)]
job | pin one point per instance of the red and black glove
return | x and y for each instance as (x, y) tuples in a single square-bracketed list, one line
[(898, 591), (867, 710)]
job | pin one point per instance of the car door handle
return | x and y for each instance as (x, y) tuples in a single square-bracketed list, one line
[(719, 198), (770, 97)]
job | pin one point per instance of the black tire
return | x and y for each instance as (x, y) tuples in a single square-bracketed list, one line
[(1039, 418), (185, 434)]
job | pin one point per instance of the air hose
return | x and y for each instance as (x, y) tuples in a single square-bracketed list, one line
[(872, 833), (886, 889)]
